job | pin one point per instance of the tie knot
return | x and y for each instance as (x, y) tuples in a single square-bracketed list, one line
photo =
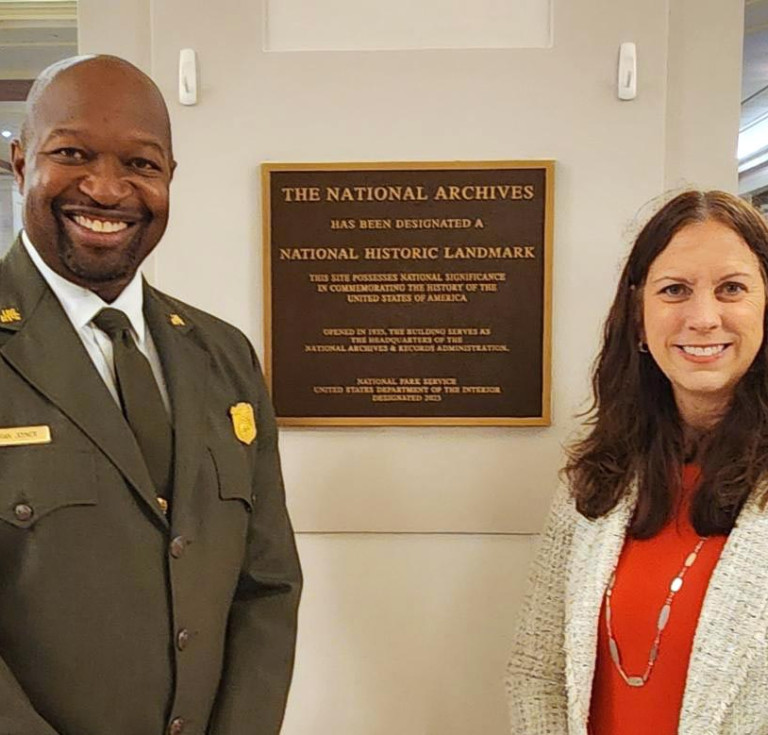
[(112, 321)]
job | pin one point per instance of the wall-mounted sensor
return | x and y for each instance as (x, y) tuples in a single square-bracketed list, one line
[(188, 76), (627, 71)]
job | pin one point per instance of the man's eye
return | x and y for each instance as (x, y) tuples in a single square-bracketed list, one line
[(73, 154), (144, 164), (675, 290)]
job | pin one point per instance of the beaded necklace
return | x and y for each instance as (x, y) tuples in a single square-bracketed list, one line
[(661, 622)]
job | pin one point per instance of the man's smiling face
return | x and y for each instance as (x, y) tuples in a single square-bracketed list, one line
[(95, 166)]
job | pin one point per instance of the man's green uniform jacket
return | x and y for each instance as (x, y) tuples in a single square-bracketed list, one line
[(114, 621)]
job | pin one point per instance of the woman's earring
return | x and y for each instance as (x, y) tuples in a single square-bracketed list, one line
[(641, 346)]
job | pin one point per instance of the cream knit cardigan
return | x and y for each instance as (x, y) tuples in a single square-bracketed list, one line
[(549, 679)]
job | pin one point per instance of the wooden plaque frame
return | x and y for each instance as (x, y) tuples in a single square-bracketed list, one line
[(342, 245)]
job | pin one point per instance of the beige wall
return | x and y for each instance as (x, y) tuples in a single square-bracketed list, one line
[(119, 27), (415, 541), (415, 105), (704, 94)]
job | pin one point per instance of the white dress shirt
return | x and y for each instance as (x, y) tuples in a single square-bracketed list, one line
[(81, 306)]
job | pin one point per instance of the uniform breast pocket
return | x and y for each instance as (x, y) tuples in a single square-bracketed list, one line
[(233, 474), (37, 483), (230, 506)]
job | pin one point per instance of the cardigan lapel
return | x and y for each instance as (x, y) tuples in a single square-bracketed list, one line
[(595, 552), (737, 593), (732, 620)]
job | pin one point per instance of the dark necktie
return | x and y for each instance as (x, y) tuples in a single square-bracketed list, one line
[(140, 397)]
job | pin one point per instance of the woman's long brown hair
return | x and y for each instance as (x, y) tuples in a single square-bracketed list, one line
[(635, 432)]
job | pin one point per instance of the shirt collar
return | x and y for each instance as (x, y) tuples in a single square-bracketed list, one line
[(82, 305)]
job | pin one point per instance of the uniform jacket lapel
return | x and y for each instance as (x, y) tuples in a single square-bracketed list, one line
[(732, 621), (186, 368), (46, 351)]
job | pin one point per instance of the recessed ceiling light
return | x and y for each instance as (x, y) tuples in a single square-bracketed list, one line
[(6, 133)]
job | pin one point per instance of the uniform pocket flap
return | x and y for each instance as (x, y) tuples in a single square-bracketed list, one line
[(37, 481), (232, 472)]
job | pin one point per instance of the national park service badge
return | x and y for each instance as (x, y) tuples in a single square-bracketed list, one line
[(243, 422)]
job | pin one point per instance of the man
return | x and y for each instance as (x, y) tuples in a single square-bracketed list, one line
[(148, 574)]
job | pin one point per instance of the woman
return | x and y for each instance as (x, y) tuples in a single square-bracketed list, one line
[(648, 605)]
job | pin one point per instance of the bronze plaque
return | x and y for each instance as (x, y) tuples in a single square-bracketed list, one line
[(409, 293)]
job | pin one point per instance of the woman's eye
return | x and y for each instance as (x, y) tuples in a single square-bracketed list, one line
[(675, 290), (732, 288)]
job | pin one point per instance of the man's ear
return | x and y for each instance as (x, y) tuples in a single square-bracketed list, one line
[(18, 163)]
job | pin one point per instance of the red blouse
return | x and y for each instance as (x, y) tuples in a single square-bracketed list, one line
[(643, 575)]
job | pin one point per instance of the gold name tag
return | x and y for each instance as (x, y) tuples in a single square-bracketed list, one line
[(17, 435)]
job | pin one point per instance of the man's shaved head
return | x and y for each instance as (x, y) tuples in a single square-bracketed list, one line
[(50, 74), (41, 83), (94, 164)]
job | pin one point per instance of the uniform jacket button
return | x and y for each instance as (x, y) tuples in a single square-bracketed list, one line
[(176, 727), (183, 639), (23, 512), (177, 547)]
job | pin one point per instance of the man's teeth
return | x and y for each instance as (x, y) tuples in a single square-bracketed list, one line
[(703, 351), (99, 225)]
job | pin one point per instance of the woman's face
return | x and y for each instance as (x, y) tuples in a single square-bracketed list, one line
[(703, 308)]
